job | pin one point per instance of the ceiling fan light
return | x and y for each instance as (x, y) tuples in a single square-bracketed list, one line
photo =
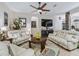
[(39, 11)]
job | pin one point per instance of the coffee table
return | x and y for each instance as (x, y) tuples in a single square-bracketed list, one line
[(41, 41)]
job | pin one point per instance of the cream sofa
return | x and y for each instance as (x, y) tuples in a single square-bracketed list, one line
[(19, 51), (65, 40), (14, 50), (74, 34), (19, 36)]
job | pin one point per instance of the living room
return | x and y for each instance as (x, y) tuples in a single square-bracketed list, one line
[(39, 28)]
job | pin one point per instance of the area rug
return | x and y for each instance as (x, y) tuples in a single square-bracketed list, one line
[(37, 48)]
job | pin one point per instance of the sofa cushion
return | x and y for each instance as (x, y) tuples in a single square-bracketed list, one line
[(60, 40), (12, 34), (4, 49), (21, 39), (23, 33), (71, 38), (60, 34)]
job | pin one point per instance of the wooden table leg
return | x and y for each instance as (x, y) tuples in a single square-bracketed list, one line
[(11, 40), (42, 46), (29, 44)]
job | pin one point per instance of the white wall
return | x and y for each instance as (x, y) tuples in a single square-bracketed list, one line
[(37, 29), (58, 22), (4, 8), (75, 16), (1, 19)]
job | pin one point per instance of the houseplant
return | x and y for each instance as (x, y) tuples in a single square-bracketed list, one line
[(17, 24)]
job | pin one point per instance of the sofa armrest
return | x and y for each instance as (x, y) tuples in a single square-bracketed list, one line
[(14, 39)]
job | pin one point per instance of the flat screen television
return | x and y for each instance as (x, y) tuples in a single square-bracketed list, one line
[(47, 22)]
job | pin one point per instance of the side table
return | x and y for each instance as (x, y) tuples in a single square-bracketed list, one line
[(7, 39)]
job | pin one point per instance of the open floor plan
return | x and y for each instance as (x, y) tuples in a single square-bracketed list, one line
[(39, 28)]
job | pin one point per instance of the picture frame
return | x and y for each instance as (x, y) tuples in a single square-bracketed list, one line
[(33, 24), (23, 22), (5, 19)]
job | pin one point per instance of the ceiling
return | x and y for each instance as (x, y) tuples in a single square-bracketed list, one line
[(61, 7)]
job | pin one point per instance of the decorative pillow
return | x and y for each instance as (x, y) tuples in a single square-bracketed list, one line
[(4, 49), (17, 34), (14, 35), (23, 33)]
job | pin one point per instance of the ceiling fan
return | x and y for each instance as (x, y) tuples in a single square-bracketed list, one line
[(40, 8)]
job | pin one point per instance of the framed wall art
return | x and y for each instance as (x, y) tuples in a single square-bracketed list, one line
[(5, 19), (33, 24), (23, 22)]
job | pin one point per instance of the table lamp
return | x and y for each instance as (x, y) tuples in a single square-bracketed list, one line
[(3, 29)]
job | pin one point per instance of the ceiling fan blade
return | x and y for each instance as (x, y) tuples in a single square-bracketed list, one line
[(33, 7), (45, 10), (43, 6)]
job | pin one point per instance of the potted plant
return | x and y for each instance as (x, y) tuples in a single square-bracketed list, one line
[(17, 24)]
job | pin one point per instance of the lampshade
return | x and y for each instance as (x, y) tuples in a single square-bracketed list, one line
[(4, 28), (39, 11)]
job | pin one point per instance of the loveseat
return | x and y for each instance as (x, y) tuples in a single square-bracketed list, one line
[(63, 39)]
